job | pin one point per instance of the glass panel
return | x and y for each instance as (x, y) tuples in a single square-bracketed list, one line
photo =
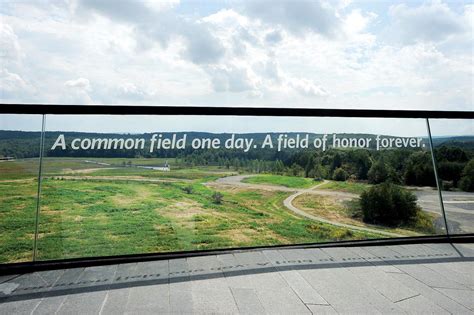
[(139, 184), (20, 137), (453, 141)]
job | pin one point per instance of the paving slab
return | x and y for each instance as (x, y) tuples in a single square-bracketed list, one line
[(297, 283), (180, 289), (415, 269), (272, 290), (426, 278), (463, 297), (375, 278), (321, 309), (342, 289), (420, 305), (247, 301), (432, 294), (207, 291)]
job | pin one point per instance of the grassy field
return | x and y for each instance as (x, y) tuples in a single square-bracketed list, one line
[(347, 212), (350, 187), (287, 181), (110, 212), (93, 218)]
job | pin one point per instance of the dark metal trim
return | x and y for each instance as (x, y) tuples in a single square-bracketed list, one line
[(40, 180), (224, 111), (19, 268), (437, 178)]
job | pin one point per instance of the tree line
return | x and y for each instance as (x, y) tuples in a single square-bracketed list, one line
[(401, 166)]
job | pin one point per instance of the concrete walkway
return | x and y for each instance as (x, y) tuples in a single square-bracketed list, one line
[(409, 279)]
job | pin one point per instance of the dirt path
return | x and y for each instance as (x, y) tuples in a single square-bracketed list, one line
[(122, 178), (89, 170), (288, 202)]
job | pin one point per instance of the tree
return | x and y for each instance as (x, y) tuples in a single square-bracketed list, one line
[(296, 170), (360, 162), (451, 154), (340, 174), (419, 170), (336, 161), (450, 171), (309, 167), (318, 172), (388, 204), (378, 173), (467, 177), (279, 167)]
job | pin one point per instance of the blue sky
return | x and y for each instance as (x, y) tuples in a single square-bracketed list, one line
[(326, 54)]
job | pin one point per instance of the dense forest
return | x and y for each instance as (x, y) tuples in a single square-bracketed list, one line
[(454, 156)]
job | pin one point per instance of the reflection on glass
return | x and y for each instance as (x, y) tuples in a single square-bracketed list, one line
[(19, 151), (454, 152), (127, 185)]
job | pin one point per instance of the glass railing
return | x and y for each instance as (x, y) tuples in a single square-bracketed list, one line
[(106, 185), (455, 165)]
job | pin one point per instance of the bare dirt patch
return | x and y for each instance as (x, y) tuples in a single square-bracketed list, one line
[(183, 209), (141, 193), (86, 170), (121, 178), (327, 207), (240, 235)]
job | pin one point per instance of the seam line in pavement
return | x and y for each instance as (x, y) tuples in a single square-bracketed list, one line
[(407, 298)]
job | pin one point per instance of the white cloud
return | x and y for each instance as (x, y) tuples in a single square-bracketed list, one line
[(429, 22), (231, 79), (273, 37), (160, 26), (9, 46), (13, 86), (356, 21), (316, 54), (131, 91), (298, 17), (79, 84), (308, 88)]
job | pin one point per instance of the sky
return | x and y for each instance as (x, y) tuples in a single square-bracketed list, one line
[(318, 54)]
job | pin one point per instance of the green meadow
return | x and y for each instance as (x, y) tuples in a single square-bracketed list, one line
[(281, 180), (90, 210), (347, 186)]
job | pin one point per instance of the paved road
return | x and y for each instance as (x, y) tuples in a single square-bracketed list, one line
[(459, 207)]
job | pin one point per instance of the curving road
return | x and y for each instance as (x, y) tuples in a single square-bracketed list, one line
[(288, 202), (236, 181)]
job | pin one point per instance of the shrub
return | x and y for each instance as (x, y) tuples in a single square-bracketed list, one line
[(188, 189), (217, 197), (447, 185), (388, 204), (467, 177), (340, 174)]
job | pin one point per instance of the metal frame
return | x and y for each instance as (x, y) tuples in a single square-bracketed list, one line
[(225, 111), (50, 109), (24, 267)]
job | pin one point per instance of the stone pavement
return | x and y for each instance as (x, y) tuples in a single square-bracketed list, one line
[(427, 278)]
